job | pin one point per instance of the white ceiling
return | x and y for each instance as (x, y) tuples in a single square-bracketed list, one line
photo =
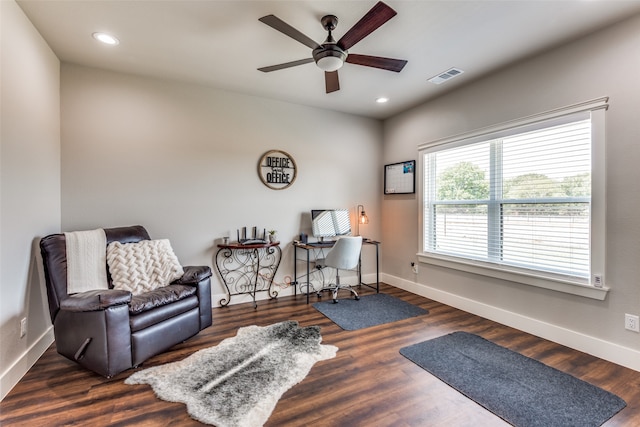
[(221, 43)]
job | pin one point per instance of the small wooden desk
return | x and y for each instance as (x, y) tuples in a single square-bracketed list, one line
[(309, 247), (247, 269)]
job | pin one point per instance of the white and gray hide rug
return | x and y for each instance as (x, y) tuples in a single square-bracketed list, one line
[(239, 381)]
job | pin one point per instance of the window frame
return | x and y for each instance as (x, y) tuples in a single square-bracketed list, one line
[(596, 109)]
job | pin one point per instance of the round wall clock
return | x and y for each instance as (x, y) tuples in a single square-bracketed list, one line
[(277, 169)]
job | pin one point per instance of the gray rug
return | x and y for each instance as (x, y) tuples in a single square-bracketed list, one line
[(522, 391), (370, 310), (239, 381)]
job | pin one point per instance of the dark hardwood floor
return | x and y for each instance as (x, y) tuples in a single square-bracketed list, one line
[(368, 384)]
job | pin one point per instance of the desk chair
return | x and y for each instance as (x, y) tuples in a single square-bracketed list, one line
[(344, 255)]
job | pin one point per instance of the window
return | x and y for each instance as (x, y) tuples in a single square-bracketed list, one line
[(524, 199)]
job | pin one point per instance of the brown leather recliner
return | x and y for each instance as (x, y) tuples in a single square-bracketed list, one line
[(109, 331)]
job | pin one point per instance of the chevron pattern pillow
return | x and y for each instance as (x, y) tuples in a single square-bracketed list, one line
[(143, 266)]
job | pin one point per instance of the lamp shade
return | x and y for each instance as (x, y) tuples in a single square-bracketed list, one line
[(329, 63), (364, 219)]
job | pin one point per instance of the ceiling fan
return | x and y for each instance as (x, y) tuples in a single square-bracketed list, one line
[(331, 55)]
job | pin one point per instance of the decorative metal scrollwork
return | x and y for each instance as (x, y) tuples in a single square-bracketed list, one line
[(248, 269)]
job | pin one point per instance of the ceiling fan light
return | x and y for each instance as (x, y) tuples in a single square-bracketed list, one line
[(329, 63), (329, 57)]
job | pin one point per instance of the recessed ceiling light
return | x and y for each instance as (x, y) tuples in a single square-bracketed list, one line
[(382, 100), (106, 38)]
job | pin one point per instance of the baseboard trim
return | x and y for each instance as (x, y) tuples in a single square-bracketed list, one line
[(20, 367), (606, 350)]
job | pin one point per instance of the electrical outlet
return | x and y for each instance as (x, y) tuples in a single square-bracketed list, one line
[(414, 267), (23, 327), (632, 322), (597, 280)]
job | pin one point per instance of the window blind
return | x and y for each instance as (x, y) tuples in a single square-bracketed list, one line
[(522, 199)]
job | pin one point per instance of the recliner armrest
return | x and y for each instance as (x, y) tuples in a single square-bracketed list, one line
[(95, 300), (193, 275)]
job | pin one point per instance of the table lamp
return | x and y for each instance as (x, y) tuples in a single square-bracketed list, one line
[(362, 218)]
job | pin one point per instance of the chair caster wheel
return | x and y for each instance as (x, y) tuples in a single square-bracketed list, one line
[(335, 301), (356, 298)]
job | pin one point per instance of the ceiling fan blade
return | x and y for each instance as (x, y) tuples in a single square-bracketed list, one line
[(331, 81), (378, 15), (285, 65), (286, 29), (389, 64)]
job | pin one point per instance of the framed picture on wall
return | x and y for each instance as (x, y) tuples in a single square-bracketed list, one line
[(400, 178)]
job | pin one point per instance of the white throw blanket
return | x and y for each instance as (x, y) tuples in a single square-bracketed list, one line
[(86, 261)]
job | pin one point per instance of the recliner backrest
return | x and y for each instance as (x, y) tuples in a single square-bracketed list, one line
[(54, 256)]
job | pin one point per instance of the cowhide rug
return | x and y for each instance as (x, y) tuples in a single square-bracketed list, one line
[(239, 381)]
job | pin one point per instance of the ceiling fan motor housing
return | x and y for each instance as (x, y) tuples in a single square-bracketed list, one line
[(329, 57)]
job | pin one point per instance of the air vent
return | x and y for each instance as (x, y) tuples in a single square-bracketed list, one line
[(447, 75)]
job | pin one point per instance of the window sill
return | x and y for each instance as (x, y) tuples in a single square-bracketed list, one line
[(517, 276)]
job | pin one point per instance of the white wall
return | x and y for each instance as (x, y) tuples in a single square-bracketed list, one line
[(29, 188), (606, 63), (182, 161)]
